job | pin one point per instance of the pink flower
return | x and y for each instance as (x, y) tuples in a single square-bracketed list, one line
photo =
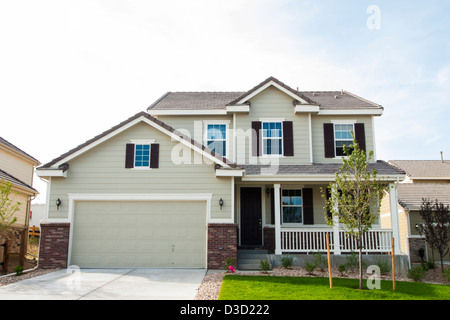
[(231, 268)]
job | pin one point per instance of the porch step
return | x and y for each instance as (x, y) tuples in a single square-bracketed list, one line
[(249, 259)]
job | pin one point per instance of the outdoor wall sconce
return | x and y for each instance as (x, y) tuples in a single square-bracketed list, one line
[(268, 192), (221, 203), (418, 228), (58, 203)]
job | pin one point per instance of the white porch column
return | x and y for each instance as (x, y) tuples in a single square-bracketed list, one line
[(336, 238), (393, 203), (277, 205)]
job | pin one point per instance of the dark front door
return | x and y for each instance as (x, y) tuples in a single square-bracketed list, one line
[(251, 224)]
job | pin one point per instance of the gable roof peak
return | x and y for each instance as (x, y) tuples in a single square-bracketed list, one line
[(272, 81)]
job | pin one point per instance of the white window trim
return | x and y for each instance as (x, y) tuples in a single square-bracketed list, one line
[(206, 123), (335, 122), (265, 155), (291, 224)]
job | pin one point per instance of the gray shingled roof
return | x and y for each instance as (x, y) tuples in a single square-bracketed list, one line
[(194, 100), (10, 145), (7, 177), (219, 100), (423, 168), (410, 194), (340, 100), (382, 167)]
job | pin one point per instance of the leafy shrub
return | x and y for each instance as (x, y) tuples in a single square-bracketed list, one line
[(342, 268), (310, 267), (18, 270), (320, 261), (230, 262), (417, 273), (264, 265), (352, 261), (430, 265), (287, 261), (384, 265)]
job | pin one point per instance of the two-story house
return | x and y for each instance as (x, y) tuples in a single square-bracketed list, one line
[(425, 179), (201, 174), (17, 167)]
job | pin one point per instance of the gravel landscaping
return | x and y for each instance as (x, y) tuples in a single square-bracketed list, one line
[(8, 279), (210, 287)]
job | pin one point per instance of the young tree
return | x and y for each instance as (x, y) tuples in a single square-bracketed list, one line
[(436, 226), (8, 207), (355, 196)]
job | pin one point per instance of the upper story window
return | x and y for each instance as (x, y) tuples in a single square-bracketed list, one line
[(216, 138), (343, 136), (142, 156), (272, 138)]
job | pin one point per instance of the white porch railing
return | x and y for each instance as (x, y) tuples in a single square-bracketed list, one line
[(313, 240)]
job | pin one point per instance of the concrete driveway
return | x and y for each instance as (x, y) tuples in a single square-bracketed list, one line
[(108, 284)]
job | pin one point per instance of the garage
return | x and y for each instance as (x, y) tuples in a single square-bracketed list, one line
[(147, 234)]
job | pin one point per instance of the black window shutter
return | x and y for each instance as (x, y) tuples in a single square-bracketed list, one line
[(288, 138), (308, 210), (154, 155), (129, 156), (328, 134), (256, 128), (328, 195), (360, 136)]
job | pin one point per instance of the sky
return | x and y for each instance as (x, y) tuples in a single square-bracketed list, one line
[(70, 70)]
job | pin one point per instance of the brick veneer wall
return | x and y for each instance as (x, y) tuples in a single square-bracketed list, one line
[(414, 245), (222, 244), (54, 245), (269, 239)]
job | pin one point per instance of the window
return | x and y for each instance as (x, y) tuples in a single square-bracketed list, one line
[(216, 138), (142, 155), (342, 136), (292, 206), (272, 138)]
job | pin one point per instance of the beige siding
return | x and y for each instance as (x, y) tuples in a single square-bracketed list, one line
[(273, 104), (102, 170), (21, 214), (318, 138), (16, 166), (385, 212)]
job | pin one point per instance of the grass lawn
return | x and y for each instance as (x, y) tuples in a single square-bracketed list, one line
[(237, 287)]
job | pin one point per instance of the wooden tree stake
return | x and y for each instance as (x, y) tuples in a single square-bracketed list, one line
[(329, 261)]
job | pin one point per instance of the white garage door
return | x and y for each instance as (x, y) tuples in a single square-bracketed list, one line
[(160, 234)]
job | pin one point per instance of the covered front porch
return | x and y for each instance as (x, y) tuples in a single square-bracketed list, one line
[(289, 217)]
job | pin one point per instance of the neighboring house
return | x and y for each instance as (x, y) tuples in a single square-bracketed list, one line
[(429, 179), (17, 167), (201, 174), (37, 214)]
